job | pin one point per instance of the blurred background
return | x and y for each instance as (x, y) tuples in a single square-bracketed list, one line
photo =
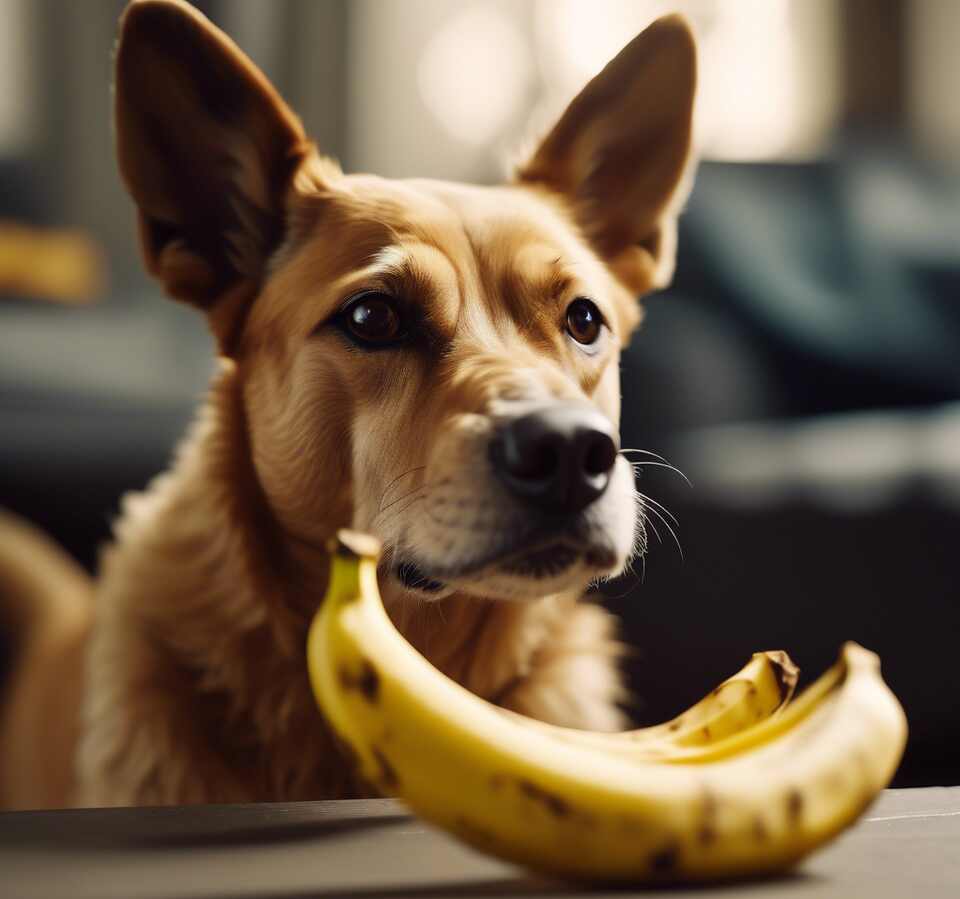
[(803, 372)]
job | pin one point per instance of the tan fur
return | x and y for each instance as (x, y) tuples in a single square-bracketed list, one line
[(46, 601), (196, 687)]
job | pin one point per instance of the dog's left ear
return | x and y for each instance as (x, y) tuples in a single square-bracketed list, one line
[(621, 153), (207, 149)]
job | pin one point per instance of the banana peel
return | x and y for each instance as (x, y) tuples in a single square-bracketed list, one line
[(715, 794)]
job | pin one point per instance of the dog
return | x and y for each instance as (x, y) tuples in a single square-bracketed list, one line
[(434, 363)]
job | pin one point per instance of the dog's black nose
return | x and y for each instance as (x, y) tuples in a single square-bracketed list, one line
[(557, 458)]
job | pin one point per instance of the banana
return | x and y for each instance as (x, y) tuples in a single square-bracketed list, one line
[(758, 801), (758, 691)]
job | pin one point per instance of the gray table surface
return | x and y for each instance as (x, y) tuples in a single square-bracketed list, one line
[(908, 845)]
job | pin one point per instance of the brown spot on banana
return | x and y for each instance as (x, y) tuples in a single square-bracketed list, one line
[(786, 674), (759, 830), (707, 830), (365, 681), (794, 808), (665, 861), (556, 805)]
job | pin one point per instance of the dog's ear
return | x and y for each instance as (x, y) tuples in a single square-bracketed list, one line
[(621, 153), (207, 149)]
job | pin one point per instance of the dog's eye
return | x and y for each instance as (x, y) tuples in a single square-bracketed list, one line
[(372, 319), (584, 321)]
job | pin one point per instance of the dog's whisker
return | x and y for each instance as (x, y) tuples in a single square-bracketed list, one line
[(658, 462), (648, 523), (640, 539), (387, 556), (639, 548), (423, 487), (411, 504), (391, 512), (667, 465), (666, 524), (398, 478), (649, 500), (643, 452), (631, 570)]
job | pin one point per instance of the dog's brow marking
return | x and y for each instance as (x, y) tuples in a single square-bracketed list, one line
[(474, 257), (390, 260), (409, 269), (457, 275), (477, 269), (393, 264), (398, 478)]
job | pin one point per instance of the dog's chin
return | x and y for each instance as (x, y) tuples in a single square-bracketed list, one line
[(508, 584), (554, 567)]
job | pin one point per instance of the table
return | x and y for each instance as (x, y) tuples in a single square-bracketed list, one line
[(908, 845)]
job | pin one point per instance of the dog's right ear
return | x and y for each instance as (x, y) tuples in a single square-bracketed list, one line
[(207, 149), (620, 156)]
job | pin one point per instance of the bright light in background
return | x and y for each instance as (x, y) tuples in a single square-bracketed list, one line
[(767, 67), (589, 34), (748, 89), (474, 74)]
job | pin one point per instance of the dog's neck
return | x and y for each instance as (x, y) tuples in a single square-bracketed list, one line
[(211, 603), (241, 576)]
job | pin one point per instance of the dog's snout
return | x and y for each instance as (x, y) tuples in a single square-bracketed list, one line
[(557, 458)]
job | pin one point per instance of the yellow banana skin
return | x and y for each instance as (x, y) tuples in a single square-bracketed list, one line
[(758, 691), (763, 687), (768, 795)]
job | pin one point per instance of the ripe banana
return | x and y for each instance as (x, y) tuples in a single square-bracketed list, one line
[(759, 799), (758, 691)]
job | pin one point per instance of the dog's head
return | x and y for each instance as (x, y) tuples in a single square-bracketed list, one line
[(432, 362)]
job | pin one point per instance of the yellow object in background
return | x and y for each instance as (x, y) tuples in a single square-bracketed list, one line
[(59, 265)]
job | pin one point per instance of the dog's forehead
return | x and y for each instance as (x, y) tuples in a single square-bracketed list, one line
[(510, 226), (507, 226), (497, 244)]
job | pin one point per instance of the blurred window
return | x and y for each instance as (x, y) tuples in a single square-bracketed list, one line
[(16, 100), (933, 33), (768, 68)]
